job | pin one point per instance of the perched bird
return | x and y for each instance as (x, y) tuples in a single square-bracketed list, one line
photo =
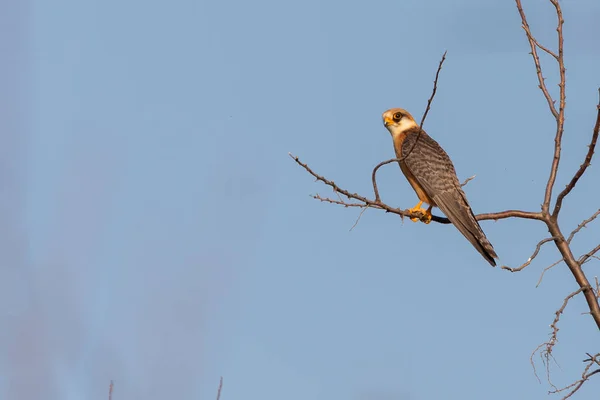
[(431, 174)]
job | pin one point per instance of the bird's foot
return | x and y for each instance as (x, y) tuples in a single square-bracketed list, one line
[(416, 209), (426, 214), (426, 218)]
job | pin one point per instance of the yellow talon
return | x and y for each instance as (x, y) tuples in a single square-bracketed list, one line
[(426, 218), (416, 208)]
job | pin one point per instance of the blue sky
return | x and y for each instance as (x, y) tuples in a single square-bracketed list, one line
[(156, 232)]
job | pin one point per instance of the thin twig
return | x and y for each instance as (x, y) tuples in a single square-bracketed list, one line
[(546, 269), (582, 225), (374, 176), (530, 259), (536, 59), (110, 390), (358, 219), (575, 386), (437, 75), (545, 49), (546, 353), (554, 325), (467, 180)]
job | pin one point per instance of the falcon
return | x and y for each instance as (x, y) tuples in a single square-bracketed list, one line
[(430, 172)]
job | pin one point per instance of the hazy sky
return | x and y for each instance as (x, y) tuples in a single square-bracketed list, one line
[(155, 231)]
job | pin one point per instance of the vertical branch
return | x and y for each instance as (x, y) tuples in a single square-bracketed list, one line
[(435, 81), (560, 120), (559, 115)]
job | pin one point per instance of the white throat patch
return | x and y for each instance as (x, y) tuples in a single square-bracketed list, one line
[(403, 125)]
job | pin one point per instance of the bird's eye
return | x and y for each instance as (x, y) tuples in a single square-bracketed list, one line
[(397, 117)]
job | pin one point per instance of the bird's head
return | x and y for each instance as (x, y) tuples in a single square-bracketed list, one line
[(397, 120)]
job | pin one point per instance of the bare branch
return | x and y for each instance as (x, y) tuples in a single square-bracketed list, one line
[(366, 202), (110, 390), (575, 386), (546, 353), (559, 114), (546, 269), (374, 176), (509, 214), (554, 326), (533, 44), (575, 268), (437, 75), (359, 215), (530, 259), (340, 202), (544, 49), (582, 225), (582, 167), (378, 204)]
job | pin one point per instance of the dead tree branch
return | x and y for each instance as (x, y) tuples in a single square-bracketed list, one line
[(575, 386), (547, 347), (546, 269), (582, 225), (560, 114), (551, 220), (530, 259), (366, 202)]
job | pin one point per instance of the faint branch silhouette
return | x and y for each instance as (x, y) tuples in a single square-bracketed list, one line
[(220, 388)]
